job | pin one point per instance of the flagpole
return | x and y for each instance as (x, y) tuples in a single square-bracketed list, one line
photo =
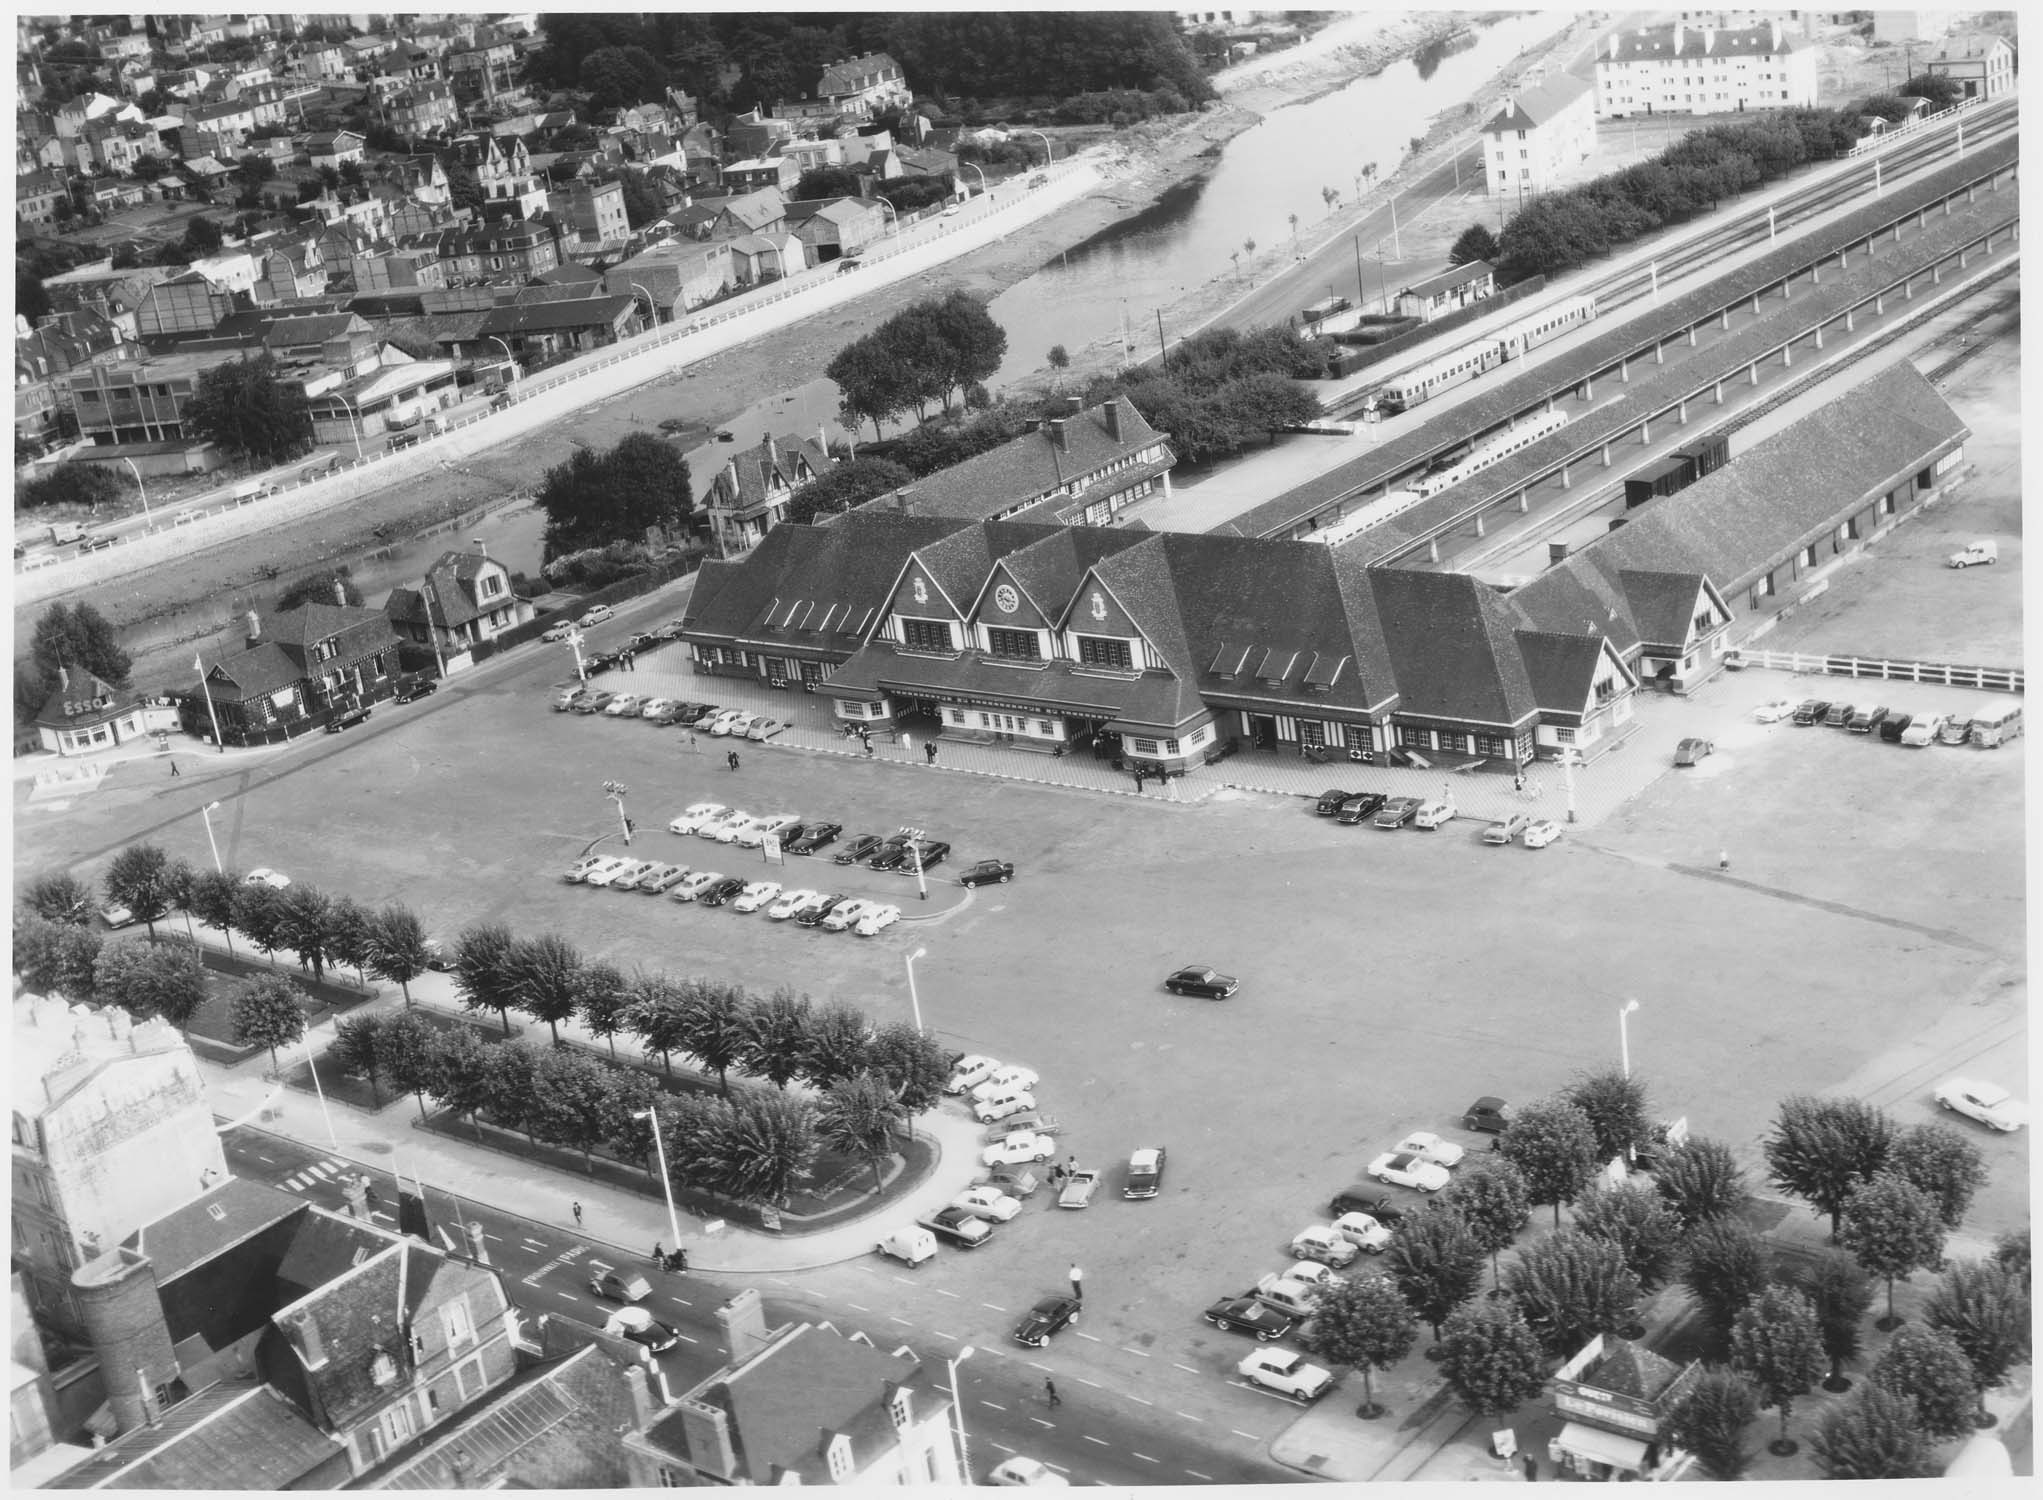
[(199, 665)]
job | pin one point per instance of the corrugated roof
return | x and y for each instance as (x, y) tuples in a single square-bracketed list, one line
[(234, 1435)]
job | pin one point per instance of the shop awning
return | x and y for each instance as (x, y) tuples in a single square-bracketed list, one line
[(1598, 1446)]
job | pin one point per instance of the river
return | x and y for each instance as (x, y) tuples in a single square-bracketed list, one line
[(1274, 169)]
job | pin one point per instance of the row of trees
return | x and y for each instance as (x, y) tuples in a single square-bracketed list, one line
[(1219, 391), (593, 499), (932, 351)]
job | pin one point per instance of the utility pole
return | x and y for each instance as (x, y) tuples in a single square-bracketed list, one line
[(1359, 295), (1162, 349)]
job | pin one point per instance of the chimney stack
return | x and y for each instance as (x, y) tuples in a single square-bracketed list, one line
[(901, 501), (340, 591), (1032, 424), (1113, 410), (254, 628), (481, 546), (1073, 405), (1057, 435)]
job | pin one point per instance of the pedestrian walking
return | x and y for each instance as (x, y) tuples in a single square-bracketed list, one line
[(1531, 1469), (1077, 1280), (929, 752), (732, 760), (174, 770), (659, 1253), (868, 747), (1518, 782), (578, 1213), (678, 1261), (1050, 1393)]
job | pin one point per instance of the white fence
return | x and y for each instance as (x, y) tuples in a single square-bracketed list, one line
[(564, 389), (1913, 127), (1942, 674)]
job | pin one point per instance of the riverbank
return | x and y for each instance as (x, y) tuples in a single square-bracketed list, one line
[(203, 603)]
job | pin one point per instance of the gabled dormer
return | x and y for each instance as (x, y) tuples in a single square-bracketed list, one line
[(922, 616), (1098, 631), (1007, 622)]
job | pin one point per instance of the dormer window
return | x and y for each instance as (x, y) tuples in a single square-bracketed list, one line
[(927, 635), (383, 1369), (1105, 651), (839, 1458), (898, 1408)]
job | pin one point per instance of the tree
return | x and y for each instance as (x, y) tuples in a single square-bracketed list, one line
[(348, 928), (252, 171), (358, 1049), (483, 973), (764, 1145), (62, 897), (1491, 1358), (1824, 1150), (545, 976), (836, 1046), (152, 979), (304, 928), (593, 499), (1839, 1289), (318, 588), (2011, 1251), (202, 237), (1725, 1269), (1700, 1179), (1491, 1201), (628, 1106), (259, 917), (1572, 1286), (1636, 1220), (1985, 1307), (409, 1050), (31, 297), (1711, 1420), (858, 1116), (510, 1079), (1776, 1342), (1875, 1434), (268, 1011), (777, 1036), (1436, 1264), (826, 182), (615, 76), (1893, 1229), (568, 1104), (398, 948), (79, 637), (958, 342), (459, 1074), (1942, 1164), (56, 958), (1553, 1146), (913, 1064), (717, 1022), (72, 484), (1927, 1366), (843, 486), (1060, 357), (1942, 92), (212, 901), (657, 1011), (1361, 1323), (872, 385), (1475, 243), (1615, 1104), (251, 409), (602, 999)]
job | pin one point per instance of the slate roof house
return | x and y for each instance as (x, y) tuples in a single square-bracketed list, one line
[(749, 495), (84, 714), (465, 599), (316, 660)]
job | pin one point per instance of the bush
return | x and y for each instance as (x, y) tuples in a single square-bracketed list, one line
[(71, 484), (597, 566)]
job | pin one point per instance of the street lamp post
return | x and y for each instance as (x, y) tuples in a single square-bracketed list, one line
[(147, 519), (212, 843), (652, 1118), (958, 1410), (1624, 1038), (914, 1001), (1569, 759), (983, 189), (616, 790), (199, 666), (893, 216), (652, 307), (574, 642), (356, 418), (1048, 154), (509, 357)]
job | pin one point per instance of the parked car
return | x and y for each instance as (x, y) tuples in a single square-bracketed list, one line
[(627, 879), (415, 688), (661, 878), (1293, 1292), (609, 870), (623, 706), (1021, 1125), (1020, 1469), (347, 718), (577, 872), (567, 698), (694, 714), (847, 913), (812, 837), (1866, 720), (1288, 1374), (692, 817), (1363, 1231), (1435, 813), (657, 708), (877, 920), (818, 912), (1364, 1198), (858, 849), (1811, 711), (1988, 1103), (264, 875), (1396, 812), (620, 1286), (988, 1203), (1488, 1114), (1773, 710), (1321, 1242), (1245, 1314), (1691, 750), (1018, 1148), (1895, 725), (692, 886), (1079, 1186), (987, 872), (765, 728), (641, 1327), (1985, 551), (1540, 833), (1838, 715), (1047, 1318), (1406, 1170), (1201, 980), (731, 818), (1012, 1076), (1360, 808), (718, 892), (772, 825), (553, 635), (1330, 802), (720, 723), (1923, 730), (595, 615), (1507, 828), (755, 895), (1429, 1147), (791, 902), (1145, 1172), (115, 915), (969, 1071), (1001, 1106), (967, 1231), (594, 701)]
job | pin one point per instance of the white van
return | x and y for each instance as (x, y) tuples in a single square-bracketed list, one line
[(1996, 725), (1432, 814)]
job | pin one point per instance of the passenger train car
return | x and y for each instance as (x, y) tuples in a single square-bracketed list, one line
[(1472, 359), (1490, 451)]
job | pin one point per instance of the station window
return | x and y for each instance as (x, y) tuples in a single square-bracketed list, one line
[(1102, 651), (926, 635), (1019, 645)]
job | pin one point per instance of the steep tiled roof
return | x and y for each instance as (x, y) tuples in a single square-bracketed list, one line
[(234, 1435), (817, 1382), (1450, 641), (1528, 109), (1561, 668), (255, 673), (1648, 44), (1662, 604), (855, 74), (1028, 467), (63, 709), (747, 478), (566, 312), (1576, 596)]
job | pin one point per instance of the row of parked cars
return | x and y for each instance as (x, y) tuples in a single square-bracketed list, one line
[(1430, 813), (1988, 726), (831, 911), (706, 718)]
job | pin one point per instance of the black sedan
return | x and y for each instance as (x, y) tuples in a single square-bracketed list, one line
[(717, 892), (1363, 1198), (641, 1327), (1198, 979), (1361, 807), (1245, 1314), (933, 853), (858, 849), (812, 837), (1690, 751), (987, 872), (1049, 1316), (812, 916), (1489, 1114), (346, 718), (1330, 802), (418, 687), (891, 855), (695, 713)]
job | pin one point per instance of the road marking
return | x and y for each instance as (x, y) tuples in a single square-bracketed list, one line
[(1093, 1383), (684, 1337), (1143, 1456), (942, 1335), (681, 1302), (993, 1406), (1197, 1475), (857, 1308), (1138, 1399), (1190, 1418), (942, 1293), (1040, 1422), (994, 1305), (1186, 1368), (902, 1321), (1087, 1337), (266, 1160), (1040, 1365), (1001, 1446), (1091, 1439), (1144, 1353), (1239, 1433)]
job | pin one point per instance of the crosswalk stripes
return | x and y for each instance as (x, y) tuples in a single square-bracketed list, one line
[(318, 1173)]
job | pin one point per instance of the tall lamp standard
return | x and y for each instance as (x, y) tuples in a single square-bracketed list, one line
[(1624, 1038), (574, 642), (356, 418), (652, 1118), (615, 790), (207, 812), (1048, 154), (914, 1000), (512, 359), (146, 517), (983, 189), (652, 307), (958, 1410)]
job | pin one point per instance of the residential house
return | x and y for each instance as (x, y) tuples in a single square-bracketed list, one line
[(500, 170), (328, 60), (419, 179), (702, 157), (675, 275), (334, 148), (112, 1127), (864, 85), (835, 227), (753, 134), (1539, 137), (763, 211), (114, 149), (424, 109), (37, 194), (805, 1405), (756, 258), (228, 120), (484, 70), (1612, 1398), (112, 194), (289, 273), (1450, 291), (776, 172), (509, 250), (1981, 64), (1700, 70), (543, 332), (114, 295), (182, 305), (316, 660), (465, 599), (749, 494), (401, 268), (63, 341), (73, 116), (595, 213)]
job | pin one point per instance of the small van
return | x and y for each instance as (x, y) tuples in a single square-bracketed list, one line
[(1432, 814), (1997, 725)]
